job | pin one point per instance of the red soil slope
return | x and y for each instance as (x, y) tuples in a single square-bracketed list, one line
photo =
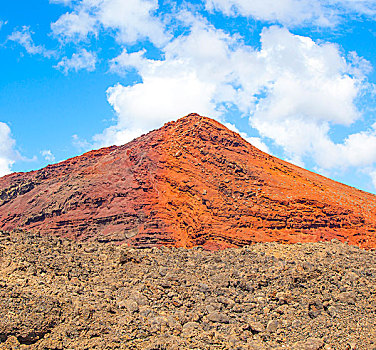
[(192, 182)]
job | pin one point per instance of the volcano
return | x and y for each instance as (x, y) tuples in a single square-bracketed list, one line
[(192, 182)]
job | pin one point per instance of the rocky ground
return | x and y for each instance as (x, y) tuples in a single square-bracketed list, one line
[(60, 294)]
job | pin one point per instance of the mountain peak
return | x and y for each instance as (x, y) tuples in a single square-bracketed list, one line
[(194, 122), (191, 182), (197, 121)]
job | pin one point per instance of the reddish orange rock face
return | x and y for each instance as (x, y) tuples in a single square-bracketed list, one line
[(192, 182)]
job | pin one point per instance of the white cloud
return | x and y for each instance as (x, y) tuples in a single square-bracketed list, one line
[(133, 19), (3, 23), (372, 174), (81, 144), (310, 88), (158, 99), (307, 79), (286, 12), (192, 78), (255, 141), (79, 61), (63, 2), (74, 26), (116, 135), (130, 20), (357, 150), (23, 37), (360, 7), (323, 13), (48, 155), (7, 153)]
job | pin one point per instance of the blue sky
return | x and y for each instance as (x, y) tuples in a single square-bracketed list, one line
[(295, 77)]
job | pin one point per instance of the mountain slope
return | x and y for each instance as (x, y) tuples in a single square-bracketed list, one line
[(191, 182)]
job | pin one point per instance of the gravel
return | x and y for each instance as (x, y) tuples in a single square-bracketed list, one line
[(62, 294)]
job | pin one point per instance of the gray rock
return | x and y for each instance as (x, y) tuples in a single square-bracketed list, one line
[(256, 326), (190, 329), (218, 317), (332, 311), (309, 344), (347, 297), (128, 304), (272, 326), (203, 287)]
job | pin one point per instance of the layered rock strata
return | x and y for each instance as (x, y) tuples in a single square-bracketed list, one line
[(191, 182)]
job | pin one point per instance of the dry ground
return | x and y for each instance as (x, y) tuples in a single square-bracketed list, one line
[(60, 294)]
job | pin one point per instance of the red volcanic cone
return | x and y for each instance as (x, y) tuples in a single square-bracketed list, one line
[(191, 182)]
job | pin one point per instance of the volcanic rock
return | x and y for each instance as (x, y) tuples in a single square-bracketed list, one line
[(192, 182), (57, 293)]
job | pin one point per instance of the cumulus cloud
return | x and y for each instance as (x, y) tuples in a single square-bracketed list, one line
[(255, 141), (142, 107), (323, 13), (48, 155), (24, 38), (130, 20), (187, 80), (7, 153), (357, 150), (291, 87), (306, 79), (79, 61), (311, 87)]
